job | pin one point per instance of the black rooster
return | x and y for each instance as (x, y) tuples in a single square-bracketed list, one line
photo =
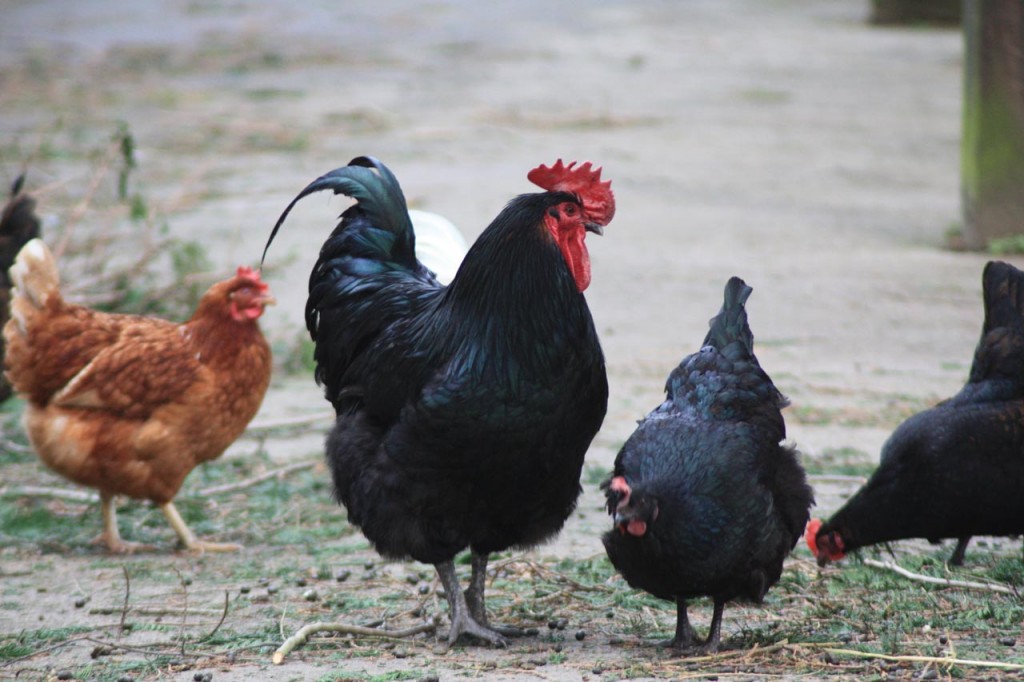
[(957, 469), (463, 412), (705, 498), (18, 225)]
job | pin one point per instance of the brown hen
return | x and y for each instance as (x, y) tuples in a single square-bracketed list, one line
[(129, 405)]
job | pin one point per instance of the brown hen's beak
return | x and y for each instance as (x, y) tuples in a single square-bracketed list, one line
[(595, 228), (266, 299)]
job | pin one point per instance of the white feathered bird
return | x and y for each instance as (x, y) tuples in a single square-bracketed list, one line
[(439, 244)]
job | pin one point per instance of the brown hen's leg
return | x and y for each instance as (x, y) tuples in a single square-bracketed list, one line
[(475, 598), (110, 536), (188, 538), (462, 620)]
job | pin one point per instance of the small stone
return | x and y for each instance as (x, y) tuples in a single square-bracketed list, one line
[(401, 652), (614, 641), (531, 632), (539, 661), (342, 575), (561, 623), (310, 595), (412, 578), (186, 580), (929, 674), (423, 589), (610, 615), (1008, 641), (81, 601), (300, 582), (65, 675), (845, 637), (126, 678), (552, 624), (581, 635), (245, 589), (557, 648), (430, 678), (368, 565), (100, 650), (943, 639), (263, 582), (273, 589)]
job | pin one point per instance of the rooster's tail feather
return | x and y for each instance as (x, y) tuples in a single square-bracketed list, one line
[(35, 277)]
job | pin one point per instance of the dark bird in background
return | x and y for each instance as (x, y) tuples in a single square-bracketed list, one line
[(18, 225), (706, 499), (957, 469), (463, 411)]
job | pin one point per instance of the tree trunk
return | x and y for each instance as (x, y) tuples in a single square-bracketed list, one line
[(992, 148)]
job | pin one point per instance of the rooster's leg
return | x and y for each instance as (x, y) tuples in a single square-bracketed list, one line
[(684, 633), (459, 613), (110, 536), (475, 598), (958, 554), (188, 538)]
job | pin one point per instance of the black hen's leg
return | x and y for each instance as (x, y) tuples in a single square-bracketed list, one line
[(958, 554), (684, 632), (463, 622), (475, 598), (715, 633)]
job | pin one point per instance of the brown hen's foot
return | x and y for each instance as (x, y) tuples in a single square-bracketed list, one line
[(115, 545), (188, 538), (463, 622), (111, 537)]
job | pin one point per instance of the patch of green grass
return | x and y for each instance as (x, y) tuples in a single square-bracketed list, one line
[(845, 461)]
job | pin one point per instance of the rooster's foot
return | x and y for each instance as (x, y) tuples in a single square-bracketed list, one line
[(200, 547)]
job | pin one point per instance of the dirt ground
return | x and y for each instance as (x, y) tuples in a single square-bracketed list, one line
[(787, 142)]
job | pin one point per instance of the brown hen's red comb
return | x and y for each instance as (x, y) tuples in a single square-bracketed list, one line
[(253, 275), (596, 196)]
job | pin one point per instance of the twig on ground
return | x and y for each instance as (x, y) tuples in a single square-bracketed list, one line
[(46, 491), (255, 480), (966, 584), (947, 661), (303, 634), (223, 616), (124, 607)]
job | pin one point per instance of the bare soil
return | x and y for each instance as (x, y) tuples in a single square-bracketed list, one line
[(786, 142)]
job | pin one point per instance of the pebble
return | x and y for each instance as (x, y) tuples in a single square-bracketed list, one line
[(368, 565), (244, 589), (430, 678), (126, 678), (581, 635), (943, 639), (929, 674), (531, 632), (65, 675), (424, 589), (342, 575), (272, 589), (1008, 641), (310, 595), (300, 582), (401, 652), (81, 601)]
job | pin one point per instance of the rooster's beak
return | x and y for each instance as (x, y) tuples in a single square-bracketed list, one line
[(595, 228)]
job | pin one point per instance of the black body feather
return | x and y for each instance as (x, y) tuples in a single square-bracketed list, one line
[(463, 412), (724, 500), (957, 469)]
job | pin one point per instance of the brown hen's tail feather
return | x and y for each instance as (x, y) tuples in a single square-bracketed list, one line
[(35, 278)]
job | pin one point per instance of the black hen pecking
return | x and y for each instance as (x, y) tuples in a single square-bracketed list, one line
[(957, 469), (706, 499), (463, 412)]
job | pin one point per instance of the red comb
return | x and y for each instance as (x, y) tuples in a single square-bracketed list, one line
[(583, 181), (252, 275)]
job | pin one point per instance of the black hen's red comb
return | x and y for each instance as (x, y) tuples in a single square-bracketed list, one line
[(584, 181)]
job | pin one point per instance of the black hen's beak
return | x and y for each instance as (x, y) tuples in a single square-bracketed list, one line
[(595, 228)]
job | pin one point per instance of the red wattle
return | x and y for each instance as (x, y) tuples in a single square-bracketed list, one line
[(811, 535)]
